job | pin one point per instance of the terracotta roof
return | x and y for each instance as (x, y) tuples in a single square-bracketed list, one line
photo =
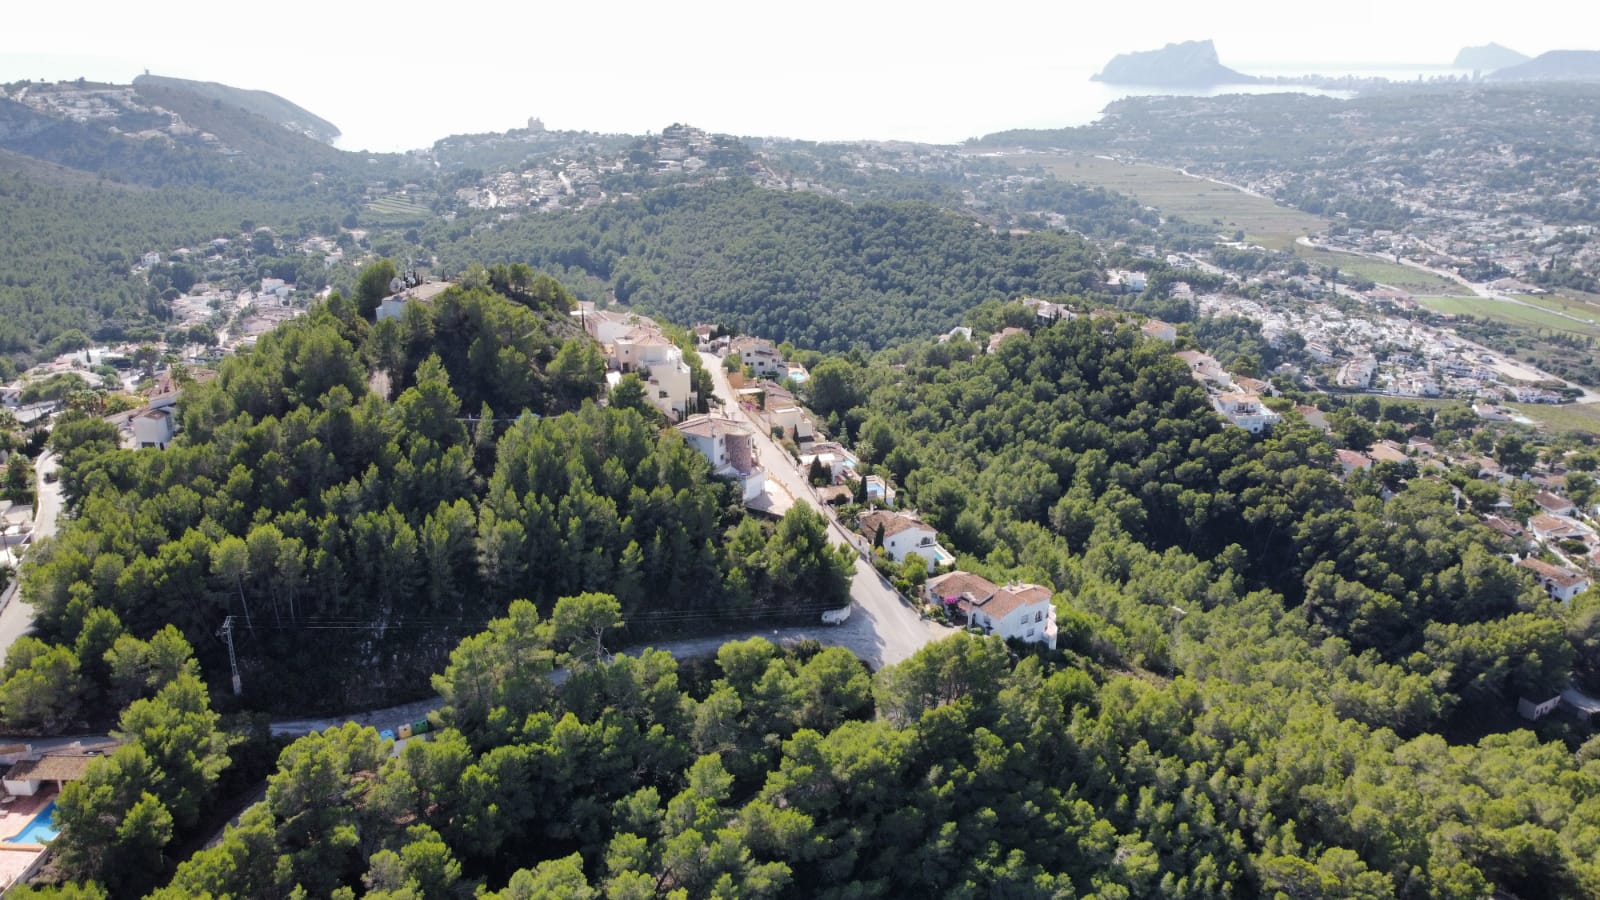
[(1352, 459), (1553, 525), (955, 584), (1384, 451), (976, 593), (51, 768), (1561, 578), (892, 522), (1551, 502)]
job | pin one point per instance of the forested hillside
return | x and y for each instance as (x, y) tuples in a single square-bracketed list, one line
[(355, 538), (1086, 457), (961, 772), (788, 266)]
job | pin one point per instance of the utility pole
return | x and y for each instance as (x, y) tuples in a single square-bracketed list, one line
[(233, 661)]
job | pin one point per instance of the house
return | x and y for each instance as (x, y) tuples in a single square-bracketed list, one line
[(759, 355), (834, 458), (1021, 611), (792, 421), (1351, 461), (731, 449), (1204, 367), (960, 332), (1045, 311), (154, 427), (1254, 386), (394, 305), (1387, 451), (1508, 529), (1246, 411), (1554, 505), (27, 777), (1314, 417), (1555, 528), (1001, 336), (659, 362), (904, 534), (1560, 583), (1159, 330)]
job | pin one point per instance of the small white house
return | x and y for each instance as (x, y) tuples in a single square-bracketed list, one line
[(904, 535), (1246, 411), (154, 427)]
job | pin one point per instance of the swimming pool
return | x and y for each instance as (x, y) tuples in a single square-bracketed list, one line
[(42, 830)]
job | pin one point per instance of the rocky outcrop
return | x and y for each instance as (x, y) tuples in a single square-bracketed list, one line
[(1189, 64)]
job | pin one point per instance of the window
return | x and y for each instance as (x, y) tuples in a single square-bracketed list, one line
[(1038, 616), (1030, 632)]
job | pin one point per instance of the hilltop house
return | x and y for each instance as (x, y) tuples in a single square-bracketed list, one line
[(1555, 528), (904, 534), (1021, 611), (1159, 330), (731, 449)]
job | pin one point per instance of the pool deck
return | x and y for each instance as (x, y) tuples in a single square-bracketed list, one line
[(16, 815), (18, 860)]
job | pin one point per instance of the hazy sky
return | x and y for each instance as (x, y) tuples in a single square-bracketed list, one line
[(402, 75)]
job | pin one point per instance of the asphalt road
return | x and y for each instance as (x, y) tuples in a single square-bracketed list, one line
[(883, 629), (16, 619)]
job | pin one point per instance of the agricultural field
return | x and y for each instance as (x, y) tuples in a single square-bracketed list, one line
[(1582, 417), (399, 211), (1197, 200), (1546, 313), (1364, 268)]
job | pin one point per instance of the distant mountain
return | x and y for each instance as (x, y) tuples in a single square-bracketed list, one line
[(1557, 65), (1189, 64), (1489, 58), (266, 105)]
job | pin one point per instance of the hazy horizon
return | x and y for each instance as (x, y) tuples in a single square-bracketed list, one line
[(839, 72)]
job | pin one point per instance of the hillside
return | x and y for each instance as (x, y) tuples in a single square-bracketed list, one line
[(267, 105), (1488, 58), (789, 266), (1189, 64), (1557, 65)]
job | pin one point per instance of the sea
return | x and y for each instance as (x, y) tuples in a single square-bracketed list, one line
[(929, 100), (929, 104)]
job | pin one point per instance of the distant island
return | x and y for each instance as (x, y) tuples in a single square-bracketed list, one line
[(1557, 65), (1189, 64), (1488, 58)]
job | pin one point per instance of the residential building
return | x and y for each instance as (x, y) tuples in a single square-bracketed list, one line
[(731, 449), (1021, 611), (759, 355), (1246, 411), (154, 427), (834, 458), (1351, 461), (904, 534), (1555, 528), (1001, 336), (1554, 505), (1159, 330), (1204, 368), (392, 306), (1560, 583)]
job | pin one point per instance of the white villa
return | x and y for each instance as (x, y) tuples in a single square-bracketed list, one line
[(1021, 611)]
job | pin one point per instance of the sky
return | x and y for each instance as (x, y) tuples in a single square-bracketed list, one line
[(403, 75)]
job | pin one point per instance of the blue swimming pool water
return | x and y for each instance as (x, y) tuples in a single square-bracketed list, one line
[(42, 830)]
